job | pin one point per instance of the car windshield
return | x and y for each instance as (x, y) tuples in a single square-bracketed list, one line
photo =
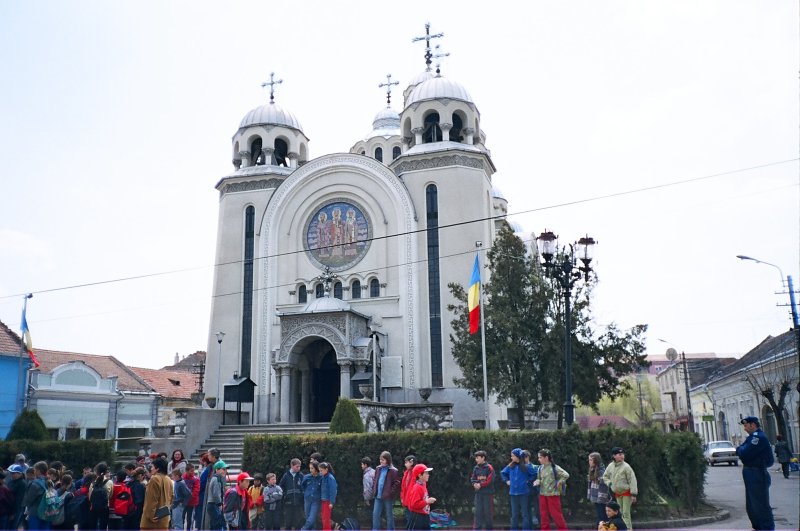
[(718, 445)]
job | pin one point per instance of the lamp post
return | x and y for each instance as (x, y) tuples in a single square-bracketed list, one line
[(792, 302), (220, 335), (563, 268)]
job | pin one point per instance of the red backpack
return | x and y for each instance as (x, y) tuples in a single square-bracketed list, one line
[(121, 500)]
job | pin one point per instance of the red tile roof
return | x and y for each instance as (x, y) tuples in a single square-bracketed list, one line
[(186, 363), (9, 341), (107, 366), (594, 422), (169, 384)]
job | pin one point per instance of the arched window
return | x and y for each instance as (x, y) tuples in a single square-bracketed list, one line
[(379, 154), (355, 289), (431, 131), (395, 152), (302, 294), (281, 151), (455, 131), (337, 290), (363, 152), (319, 291), (374, 288), (256, 157)]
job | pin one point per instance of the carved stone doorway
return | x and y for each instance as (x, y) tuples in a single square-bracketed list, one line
[(324, 385)]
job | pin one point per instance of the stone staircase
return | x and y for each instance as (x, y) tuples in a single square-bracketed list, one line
[(229, 439)]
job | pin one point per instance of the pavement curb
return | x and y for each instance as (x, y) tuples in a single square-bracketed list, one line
[(672, 523)]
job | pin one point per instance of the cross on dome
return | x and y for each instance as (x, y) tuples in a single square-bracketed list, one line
[(271, 83), (388, 86), (427, 38), (439, 55), (327, 277)]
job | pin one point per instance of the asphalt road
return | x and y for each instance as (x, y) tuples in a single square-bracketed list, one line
[(725, 489)]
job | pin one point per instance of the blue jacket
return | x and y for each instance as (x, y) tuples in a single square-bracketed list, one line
[(520, 475), (312, 487), (329, 488), (755, 451)]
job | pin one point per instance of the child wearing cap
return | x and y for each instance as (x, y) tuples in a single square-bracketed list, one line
[(518, 475), (256, 501), (214, 491), (613, 521), (236, 503), (417, 499)]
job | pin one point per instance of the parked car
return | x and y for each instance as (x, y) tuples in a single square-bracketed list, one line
[(721, 452)]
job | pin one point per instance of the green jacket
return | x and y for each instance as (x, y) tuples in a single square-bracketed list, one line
[(547, 481), (620, 477)]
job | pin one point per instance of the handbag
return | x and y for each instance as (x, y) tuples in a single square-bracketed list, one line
[(162, 511)]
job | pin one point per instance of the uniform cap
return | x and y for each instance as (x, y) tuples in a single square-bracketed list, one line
[(748, 420)]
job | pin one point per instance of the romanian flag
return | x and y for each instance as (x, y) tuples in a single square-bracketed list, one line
[(26, 338), (474, 298)]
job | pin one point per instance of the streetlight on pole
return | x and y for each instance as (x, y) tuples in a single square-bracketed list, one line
[(220, 335), (567, 273), (792, 301)]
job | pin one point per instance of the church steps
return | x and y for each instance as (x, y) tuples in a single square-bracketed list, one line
[(229, 439)]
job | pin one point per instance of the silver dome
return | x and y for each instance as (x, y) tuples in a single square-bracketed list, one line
[(386, 123), (270, 114), (326, 304), (439, 88)]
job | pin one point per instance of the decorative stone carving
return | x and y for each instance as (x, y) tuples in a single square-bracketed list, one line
[(249, 186), (245, 156), (380, 416), (438, 162)]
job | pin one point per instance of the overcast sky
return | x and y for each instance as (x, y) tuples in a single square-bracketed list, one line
[(116, 121)]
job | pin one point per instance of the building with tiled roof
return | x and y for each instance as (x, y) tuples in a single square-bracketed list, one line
[(175, 388), (10, 364), (191, 363)]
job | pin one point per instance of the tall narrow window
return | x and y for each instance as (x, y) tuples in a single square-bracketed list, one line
[(374, 288), (379, 154), (255, 153), (395, 152), (337, 290), (431, 131), (319, 291), (434, 300), (281, 152), (355, 290), (455, 131), (302, 294), (247, 288)]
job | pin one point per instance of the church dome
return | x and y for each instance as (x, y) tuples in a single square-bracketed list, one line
[(270, 114), (438, 88), (386, 123), (326, 304)]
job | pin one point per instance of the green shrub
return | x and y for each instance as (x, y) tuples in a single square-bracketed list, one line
[(28, 425), (450, 454), (346, 418), (74, 454)]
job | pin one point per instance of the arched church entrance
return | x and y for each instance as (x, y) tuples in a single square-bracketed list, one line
[(325, 386)]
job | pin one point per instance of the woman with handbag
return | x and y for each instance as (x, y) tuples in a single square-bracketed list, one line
[(597, 492), (157, 498)]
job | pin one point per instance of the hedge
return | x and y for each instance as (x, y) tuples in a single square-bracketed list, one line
[(74, 454), (666, 465)]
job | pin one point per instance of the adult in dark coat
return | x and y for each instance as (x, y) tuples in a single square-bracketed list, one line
[(756, 456)]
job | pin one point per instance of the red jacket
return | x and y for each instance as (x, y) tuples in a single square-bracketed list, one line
[(407, 481), (193, 484), (415, 498)]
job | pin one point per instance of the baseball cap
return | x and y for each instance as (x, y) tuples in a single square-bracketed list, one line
[(220, 464), (16, 469), (242, 476), (748, 420), (617, 450)]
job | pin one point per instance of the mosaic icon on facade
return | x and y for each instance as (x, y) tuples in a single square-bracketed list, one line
[(338, 235)]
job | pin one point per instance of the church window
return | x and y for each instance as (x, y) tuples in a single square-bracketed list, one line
[(455, 131), (281, 152), (379, 154), (363, 152), (302, 294), (395, 152), (431, 131), (434, 298), (247, 288), (319, 291), (374, 288), (337, 290), (256, 157), (76, 377), (355, 289)]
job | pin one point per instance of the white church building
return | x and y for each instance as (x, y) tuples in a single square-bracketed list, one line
[(328, 264)]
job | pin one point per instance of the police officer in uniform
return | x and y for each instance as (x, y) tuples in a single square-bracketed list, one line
[(756, 456)]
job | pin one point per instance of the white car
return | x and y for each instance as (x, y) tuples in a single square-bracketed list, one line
[(721, 452)]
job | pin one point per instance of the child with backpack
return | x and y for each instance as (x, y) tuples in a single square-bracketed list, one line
[(193, 484), (236, 503), (136, 485), (34, 495), (98, 503), (121, 502), (179, 499)]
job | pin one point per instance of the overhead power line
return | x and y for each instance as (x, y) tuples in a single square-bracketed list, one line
[(417, 231)]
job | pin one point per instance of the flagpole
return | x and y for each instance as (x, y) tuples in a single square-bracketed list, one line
[(21, 379), (483, 343)]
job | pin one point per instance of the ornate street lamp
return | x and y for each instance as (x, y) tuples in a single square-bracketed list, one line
[(565, 270)]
